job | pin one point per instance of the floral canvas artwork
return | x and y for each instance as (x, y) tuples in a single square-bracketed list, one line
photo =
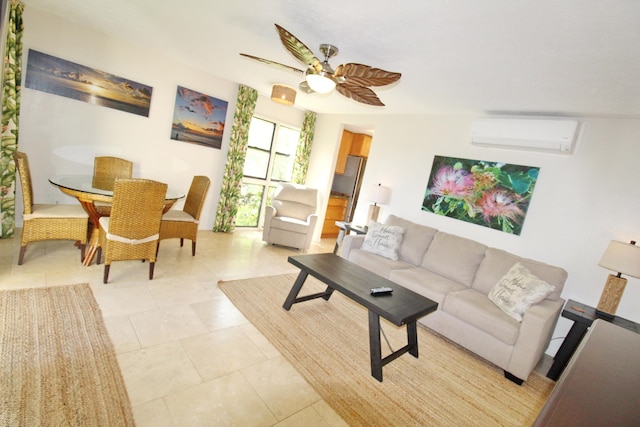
[(198, 118), (491, 194)]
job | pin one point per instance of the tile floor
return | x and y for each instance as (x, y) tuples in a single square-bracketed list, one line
[(187, 355)]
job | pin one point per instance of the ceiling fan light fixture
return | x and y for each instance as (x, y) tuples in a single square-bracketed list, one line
[(320, 83), (283, 94)]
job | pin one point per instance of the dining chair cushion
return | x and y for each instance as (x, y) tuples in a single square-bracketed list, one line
[(178, 215), (55, 211), (104, 223)]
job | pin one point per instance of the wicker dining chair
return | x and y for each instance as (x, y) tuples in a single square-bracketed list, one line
[(132, 230), (113, 167), (106, 170), (48, 221), (183, 223)]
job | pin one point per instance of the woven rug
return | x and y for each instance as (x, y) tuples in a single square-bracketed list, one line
[(328, 343), (58, 366)]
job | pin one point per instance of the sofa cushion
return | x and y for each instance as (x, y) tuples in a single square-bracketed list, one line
[(293, 209), (474, 308), (383, 240), (415, 279), (290, 224), (518, 290), (454, 257), (375, 263), (497, 262), (416, 239)]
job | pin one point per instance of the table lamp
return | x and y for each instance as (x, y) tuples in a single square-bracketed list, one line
[(625, 259), (377, 194)]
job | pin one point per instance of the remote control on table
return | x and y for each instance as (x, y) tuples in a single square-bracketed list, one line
[(381, 291)]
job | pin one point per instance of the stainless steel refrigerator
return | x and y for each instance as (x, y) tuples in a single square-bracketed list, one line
[(348, 184)]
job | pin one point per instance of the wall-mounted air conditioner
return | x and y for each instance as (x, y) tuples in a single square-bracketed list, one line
[(549, 135)]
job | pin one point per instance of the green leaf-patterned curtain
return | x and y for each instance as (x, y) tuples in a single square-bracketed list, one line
[(11, 79), (303, 153), (234, 169)]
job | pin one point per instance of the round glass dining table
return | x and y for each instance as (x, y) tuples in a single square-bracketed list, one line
[(89, 189)]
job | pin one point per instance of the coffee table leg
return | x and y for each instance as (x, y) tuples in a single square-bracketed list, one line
[(375, 347), (412, 338), (293, 293), (327, 293)]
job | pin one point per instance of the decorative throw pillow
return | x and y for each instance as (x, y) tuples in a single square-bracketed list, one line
[(518, 290), (383, 240)]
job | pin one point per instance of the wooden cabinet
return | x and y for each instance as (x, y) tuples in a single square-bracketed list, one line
[(336, 211), (352, 144), (360, 145), (345, 149)]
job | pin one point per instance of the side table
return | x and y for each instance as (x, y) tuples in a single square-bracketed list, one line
[(583, 316), (344, 227)]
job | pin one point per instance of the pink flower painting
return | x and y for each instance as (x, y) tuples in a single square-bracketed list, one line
[(490, 194)]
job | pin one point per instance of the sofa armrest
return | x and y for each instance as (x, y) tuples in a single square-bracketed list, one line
[(269, 213), (538, 324), (312, 220), (350, 241)]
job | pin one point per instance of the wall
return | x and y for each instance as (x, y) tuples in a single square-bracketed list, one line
[(580, 202), (63, 135)]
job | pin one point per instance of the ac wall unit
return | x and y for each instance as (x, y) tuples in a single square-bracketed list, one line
[(550, 135)]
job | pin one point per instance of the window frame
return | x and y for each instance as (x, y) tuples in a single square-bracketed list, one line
[(268, 183)]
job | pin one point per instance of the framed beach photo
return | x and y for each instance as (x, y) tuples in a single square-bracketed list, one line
[(198, 118), (50, 74), (491, 194)]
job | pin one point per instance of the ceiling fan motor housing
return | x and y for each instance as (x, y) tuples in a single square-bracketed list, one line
[(329, 51)]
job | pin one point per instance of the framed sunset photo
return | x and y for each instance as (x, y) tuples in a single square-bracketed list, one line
[(198, 118), (58, 76)]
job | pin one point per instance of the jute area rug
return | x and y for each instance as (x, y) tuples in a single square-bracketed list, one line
[(328, 343), (58, 366)]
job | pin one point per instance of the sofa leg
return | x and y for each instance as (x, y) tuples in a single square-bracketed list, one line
[(511, 377)]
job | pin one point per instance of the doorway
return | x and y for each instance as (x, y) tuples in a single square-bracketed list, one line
[(345, 188)]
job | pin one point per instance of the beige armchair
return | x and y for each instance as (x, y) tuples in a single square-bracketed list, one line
[(291, 218)]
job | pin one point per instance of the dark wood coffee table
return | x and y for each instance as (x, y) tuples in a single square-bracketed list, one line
[(402, 307)]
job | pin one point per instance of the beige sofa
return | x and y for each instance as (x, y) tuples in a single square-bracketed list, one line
[(458, 274)]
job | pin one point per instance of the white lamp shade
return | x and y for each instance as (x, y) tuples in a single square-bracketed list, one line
[(320, 84), (623, 258), (378, 194)]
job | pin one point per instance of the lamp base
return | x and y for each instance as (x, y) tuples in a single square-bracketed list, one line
[(611, 295), (374, 210)]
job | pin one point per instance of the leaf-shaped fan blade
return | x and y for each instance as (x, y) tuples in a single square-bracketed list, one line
[(298, 49), (273, 63), (359, 93), (365, 75)]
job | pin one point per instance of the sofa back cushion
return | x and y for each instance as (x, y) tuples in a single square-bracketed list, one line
[(497, 263), (454, 257), (416, 239)]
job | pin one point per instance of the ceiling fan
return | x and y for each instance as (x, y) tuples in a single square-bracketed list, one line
[(350, 80)]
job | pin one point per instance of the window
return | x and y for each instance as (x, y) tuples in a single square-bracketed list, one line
[(271, 154)]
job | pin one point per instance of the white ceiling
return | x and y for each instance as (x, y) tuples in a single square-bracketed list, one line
[(543, 57)]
